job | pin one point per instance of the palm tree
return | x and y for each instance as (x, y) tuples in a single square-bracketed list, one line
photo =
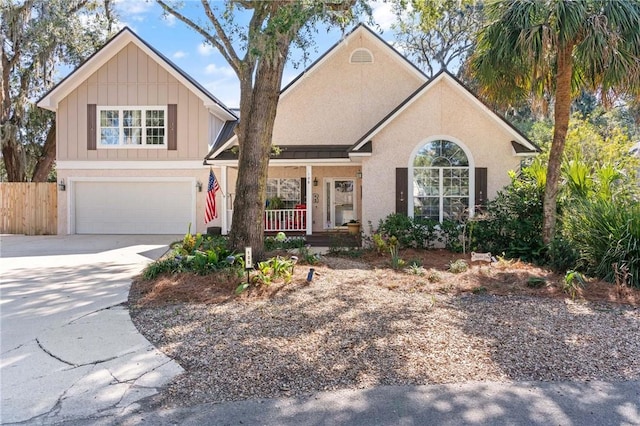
[(557, 47)]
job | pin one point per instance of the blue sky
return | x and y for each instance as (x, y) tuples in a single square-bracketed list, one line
[(204, 63)]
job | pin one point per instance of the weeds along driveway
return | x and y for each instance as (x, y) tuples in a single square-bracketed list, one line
[(69, 349)]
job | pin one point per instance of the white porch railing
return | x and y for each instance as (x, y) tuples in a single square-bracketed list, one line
[(280, 220), (285, 220)]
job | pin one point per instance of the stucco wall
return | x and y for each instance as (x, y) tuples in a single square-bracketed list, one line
[(337, 102), (132, 78), (441, 113)]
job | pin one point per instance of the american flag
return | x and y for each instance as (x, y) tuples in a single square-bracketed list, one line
[(210, 211)]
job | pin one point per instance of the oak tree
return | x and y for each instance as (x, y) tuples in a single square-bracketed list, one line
[(255, 38)]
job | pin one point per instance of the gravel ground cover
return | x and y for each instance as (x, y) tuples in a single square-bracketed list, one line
[(357, 326)]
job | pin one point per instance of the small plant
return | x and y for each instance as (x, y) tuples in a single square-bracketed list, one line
[(415, 269), (479, 290), (305, 255), (396, 261), (162, 266), (573, 281), (503, 262), (434, 276), (536, 282), (458, 266), (379, 243), (273, 269)]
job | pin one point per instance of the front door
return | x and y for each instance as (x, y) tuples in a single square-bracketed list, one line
[(340, 202)]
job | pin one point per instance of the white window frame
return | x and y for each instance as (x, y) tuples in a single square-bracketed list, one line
[(280, 188), (471, 177), (143, 110)]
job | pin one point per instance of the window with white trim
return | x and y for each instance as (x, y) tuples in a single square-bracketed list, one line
[(287, 190), (132, 127), (440, 181)]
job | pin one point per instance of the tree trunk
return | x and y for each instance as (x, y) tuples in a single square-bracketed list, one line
[(254, 138), (562, 114), (12, 154), (45, 162)]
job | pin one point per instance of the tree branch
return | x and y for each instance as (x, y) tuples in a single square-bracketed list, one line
[(230, 57), (233, 58)]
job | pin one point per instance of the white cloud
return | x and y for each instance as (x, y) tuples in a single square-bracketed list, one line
[(222, 71), (205, 49), (133, 9), (383, 14), (228, 91), (179, 54), (169, 20)]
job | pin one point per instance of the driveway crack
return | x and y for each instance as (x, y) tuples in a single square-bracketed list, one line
[(100, 361), (48, 352), (106, 308)]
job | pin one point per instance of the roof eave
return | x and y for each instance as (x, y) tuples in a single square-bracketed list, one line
[(100, 57)]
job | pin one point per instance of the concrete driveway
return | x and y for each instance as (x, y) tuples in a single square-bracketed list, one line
[(68, 347)]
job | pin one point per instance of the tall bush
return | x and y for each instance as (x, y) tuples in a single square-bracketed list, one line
[(512, 222), (605, 232)]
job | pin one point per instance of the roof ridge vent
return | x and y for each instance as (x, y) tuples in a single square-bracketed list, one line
[(361, 56)]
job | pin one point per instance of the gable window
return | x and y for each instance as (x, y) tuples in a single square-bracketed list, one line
[(361, 56), (441, 181), (286, 190), (132, 127)]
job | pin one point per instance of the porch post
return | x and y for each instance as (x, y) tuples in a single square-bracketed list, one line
[(225, 200), (309, 200)]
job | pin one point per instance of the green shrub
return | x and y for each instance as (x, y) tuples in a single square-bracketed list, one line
[(270, 270), (451, 234), (604, 233), (279, 243), (562, 255), (306, 256), (167, 265), (411, 233), (512, 223), (195, 253)]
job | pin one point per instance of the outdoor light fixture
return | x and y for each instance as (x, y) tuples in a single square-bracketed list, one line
[(315, 181), (62, 186), (359, 174), (199, 186)]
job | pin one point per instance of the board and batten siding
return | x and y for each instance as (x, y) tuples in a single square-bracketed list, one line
[(132, 78)]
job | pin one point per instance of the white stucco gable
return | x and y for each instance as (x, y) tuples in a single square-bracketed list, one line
[(519, 143)]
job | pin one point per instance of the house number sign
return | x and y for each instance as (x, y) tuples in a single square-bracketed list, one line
[(247, 257)]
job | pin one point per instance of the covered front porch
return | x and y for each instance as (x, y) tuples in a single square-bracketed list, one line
[(302, 199)]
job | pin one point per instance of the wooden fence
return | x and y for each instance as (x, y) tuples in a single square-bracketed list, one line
[(28, 208)]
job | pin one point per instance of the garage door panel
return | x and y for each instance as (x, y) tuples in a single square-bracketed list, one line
[(133, 207)]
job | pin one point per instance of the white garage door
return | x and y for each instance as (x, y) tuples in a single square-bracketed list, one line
[(133, 207)]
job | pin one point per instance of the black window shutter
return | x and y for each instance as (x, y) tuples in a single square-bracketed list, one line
[(303, 190), (402, 183), (172, 121), (481, 186), (91, 127)]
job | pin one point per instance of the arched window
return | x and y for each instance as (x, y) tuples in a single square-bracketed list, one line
[(440, 181)]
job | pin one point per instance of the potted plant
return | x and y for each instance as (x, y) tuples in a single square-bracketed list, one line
[(354, 227), (275, 203)]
